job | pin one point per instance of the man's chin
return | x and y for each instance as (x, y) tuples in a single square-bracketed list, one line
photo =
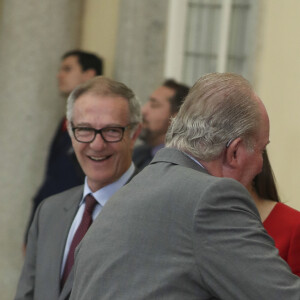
[(145, 135)]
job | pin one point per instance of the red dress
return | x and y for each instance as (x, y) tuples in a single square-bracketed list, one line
[(283, 225)]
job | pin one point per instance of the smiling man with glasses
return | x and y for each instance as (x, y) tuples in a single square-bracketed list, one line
[(103, 122)]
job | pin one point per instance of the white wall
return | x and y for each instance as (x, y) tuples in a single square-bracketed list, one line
[(99, 30), (277, 81)]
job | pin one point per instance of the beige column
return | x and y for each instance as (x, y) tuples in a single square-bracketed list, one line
[(33, 36), (141, 42)]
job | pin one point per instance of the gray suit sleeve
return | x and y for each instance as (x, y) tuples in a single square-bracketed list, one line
[(236, 258), (25, 289)]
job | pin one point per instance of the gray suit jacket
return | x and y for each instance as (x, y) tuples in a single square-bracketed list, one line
[(175, 232), (40, 277)]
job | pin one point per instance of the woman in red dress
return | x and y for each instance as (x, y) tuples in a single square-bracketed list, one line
[(280, 221)]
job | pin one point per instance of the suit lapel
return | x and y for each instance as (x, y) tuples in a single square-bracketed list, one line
[(66, 214)]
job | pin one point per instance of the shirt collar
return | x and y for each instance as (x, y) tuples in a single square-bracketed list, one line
[(194, 159), (106, 192), (156, 148)]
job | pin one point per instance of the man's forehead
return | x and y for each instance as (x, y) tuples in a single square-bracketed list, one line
[(91, 98), (70, 60), (162, 93), (101, 113), (264, 130)]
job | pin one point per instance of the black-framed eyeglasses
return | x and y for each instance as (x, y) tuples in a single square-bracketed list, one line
[(112, 134)]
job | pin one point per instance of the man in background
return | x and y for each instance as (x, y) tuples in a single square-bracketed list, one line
[(62, 169), (103, 122), (157, 112), (186, 227)]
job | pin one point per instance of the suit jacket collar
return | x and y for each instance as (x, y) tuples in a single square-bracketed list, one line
[(177, 157), (78, 192)]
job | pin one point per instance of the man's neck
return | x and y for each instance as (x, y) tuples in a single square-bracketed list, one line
[(155, 141)]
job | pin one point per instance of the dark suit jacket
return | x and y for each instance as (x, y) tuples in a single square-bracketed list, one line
[(175, 232), (142, 156), (40, 277)]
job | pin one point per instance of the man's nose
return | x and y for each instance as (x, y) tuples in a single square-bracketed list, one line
[(145, 109), (98, 143)]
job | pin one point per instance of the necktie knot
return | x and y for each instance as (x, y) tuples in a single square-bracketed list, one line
[(90, 203)]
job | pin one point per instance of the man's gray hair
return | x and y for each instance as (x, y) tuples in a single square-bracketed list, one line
[(103, 86), (219, 108)]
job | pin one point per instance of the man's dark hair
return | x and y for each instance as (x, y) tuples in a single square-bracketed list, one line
[(87, 60), (181, 91)]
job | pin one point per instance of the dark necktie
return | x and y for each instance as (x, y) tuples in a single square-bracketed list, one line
[(86, 222)]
